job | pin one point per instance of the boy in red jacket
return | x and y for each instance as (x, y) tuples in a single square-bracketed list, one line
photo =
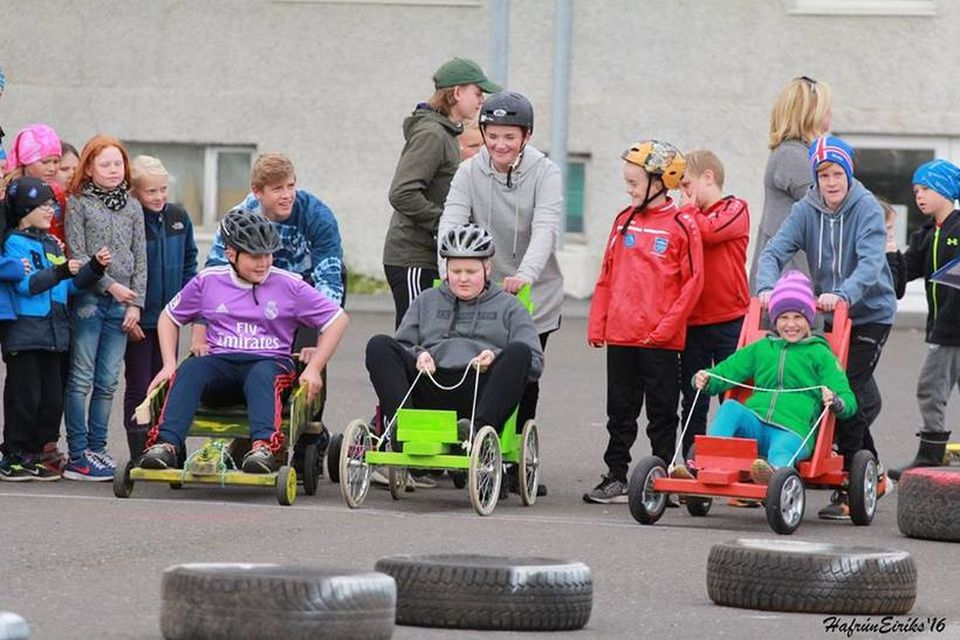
[(714, 325), (649, 282)]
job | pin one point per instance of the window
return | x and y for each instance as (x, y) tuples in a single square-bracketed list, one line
[(863, 7), (207, 180), (574, 197)]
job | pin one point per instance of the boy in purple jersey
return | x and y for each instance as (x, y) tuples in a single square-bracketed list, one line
[(252, 311)]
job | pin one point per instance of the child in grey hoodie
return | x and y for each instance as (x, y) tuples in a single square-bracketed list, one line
[(447, 328), (839, 224)]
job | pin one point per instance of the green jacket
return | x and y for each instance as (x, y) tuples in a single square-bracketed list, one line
[(774, 363), (420, 184)]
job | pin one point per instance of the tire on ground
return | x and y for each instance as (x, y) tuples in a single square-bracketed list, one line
[(239, 601), (790, 575), (488, 592), (928, 503)]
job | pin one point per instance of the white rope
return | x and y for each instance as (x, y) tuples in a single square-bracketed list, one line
[(816, 425), (473, 364)]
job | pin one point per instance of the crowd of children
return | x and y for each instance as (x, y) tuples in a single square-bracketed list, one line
[(94, 257)]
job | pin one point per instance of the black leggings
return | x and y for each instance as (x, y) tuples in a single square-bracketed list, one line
[(406, 283)]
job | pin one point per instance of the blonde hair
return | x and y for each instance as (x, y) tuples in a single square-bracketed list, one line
[(144, 167), (799, 111), (271, 168), (443, 100), (701, 160), (889, 213)]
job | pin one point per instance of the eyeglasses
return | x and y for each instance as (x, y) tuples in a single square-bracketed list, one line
[(49, 205)]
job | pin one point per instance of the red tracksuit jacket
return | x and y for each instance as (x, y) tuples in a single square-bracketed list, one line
[(725, 230), (651, 278)]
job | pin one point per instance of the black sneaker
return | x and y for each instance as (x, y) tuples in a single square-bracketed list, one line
[(43, 473), (12, 469), (162, 455), (260, 459), (513, 481), (609, 491), (839, 507)]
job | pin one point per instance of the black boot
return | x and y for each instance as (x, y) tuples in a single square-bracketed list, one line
[(137, 443), (933, 446)]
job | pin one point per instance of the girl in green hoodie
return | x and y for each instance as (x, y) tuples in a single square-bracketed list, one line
[(796, 373)]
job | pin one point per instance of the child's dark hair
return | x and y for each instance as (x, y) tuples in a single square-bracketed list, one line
[(69, 148)]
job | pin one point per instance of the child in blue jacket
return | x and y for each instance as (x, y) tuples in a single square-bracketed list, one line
[(36, 342)]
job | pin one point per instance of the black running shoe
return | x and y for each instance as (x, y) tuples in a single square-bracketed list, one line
[(260, 459), (162, 455)]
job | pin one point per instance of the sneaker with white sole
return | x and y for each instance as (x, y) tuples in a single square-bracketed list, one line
[(761, 472), (87, 468), (610, 491)]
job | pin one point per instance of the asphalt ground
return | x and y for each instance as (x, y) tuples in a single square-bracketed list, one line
[(77, 562)]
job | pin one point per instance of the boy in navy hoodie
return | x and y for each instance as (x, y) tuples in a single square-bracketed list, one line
[(936, 186), (35, 344), (839, 225)]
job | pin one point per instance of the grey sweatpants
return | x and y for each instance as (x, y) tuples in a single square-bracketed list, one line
[(938, 377)]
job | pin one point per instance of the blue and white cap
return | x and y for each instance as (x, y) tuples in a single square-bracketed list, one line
[(831, 149), (941, 176)]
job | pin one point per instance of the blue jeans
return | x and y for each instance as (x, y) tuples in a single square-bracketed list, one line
[(97, 343), (733, 420)]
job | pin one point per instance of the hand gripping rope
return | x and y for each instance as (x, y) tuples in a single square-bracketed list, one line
[(816, 425), (473, 364)]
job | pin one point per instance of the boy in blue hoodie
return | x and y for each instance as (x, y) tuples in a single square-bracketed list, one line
[(840, 226), (35, 344)]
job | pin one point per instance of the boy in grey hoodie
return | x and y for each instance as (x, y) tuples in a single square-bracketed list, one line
[(466, 320), (839, 224)]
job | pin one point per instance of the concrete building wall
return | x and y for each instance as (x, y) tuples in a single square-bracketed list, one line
[(329, 82)]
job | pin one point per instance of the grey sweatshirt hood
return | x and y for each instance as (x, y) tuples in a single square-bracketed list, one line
[(455, 331)]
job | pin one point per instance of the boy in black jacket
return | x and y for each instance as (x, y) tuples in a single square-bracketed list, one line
[(936, 185)]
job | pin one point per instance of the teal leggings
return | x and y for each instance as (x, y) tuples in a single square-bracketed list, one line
[(777, 445)]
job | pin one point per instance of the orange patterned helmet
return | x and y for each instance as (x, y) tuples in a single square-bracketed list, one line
[(659, 158)]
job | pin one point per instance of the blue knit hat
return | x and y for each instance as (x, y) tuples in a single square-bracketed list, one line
[(941, 176), (831, 149)]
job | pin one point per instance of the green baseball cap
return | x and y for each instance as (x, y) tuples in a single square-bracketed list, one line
[(460, 71)]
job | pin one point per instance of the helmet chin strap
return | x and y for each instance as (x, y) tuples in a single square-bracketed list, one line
[(647, 199), (253, 285)]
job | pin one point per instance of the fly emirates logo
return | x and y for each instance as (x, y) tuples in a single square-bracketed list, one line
[(248, 338)]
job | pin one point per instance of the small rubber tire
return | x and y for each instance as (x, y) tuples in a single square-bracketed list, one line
[(529, 467), (493, 593), (122, 482), (486, 471), (176, 486), (791, 575), (928, 503), (459, 479), (397, 481), (697, 506), (245, 601), (311, 469), (786, 501), (354, 469), (863, 488), (646, 505), (286, 485), (333, 457)]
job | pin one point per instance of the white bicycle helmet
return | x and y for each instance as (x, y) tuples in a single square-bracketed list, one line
[(467, 241)]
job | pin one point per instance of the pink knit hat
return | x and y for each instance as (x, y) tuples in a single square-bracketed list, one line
[(32, 144), (793, 292)]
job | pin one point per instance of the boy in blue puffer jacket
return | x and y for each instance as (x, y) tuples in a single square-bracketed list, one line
[(840, 226), (35, 344)]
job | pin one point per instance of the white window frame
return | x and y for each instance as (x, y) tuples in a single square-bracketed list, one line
[(211, 166), (862, 7), (946, 147)]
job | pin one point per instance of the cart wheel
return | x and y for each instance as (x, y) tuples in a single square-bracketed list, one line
[(397, 477), (486, 471), (311, 469), (122, 483), (863, 488), (698, 507), (529, 463), (785, 501), (354, 470), (333, 457), (286, 485), (176, 485), (459, 479), (646, 505)]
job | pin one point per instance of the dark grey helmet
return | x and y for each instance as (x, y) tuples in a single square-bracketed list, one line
[(248, 231), (509, 108), (466, 241)]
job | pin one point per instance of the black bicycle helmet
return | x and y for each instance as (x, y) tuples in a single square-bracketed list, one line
[(509, 108), (250, 232), (466, 241)]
